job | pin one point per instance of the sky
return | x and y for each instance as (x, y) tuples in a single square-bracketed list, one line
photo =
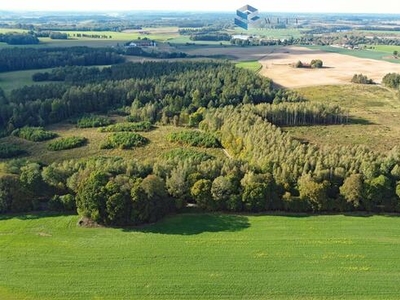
[(312, 6)]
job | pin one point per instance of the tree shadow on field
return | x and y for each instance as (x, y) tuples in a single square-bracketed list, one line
[(32, 215), (359, 121), (191, 224)]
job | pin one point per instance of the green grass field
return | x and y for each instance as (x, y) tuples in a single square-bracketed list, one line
[(18, 79), (159, 34), (387, 48), (202, 256), (377, 54), (12, 30), (253, 65)]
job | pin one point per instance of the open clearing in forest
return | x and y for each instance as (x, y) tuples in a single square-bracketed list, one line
[(158, 144), (338, 68), (374, 110), (202, 256), (17, 79)]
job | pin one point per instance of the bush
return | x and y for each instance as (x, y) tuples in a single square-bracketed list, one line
[(391, 80), (299, 64), (124, 140), (67, 143), (34, 134), (93, 121), (127, 127), (194, 138), (361, 79), (9, 151), (316, 64)]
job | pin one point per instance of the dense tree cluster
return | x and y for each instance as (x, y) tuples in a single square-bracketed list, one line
[(216, 36), (12, 59), (138, 51), (314, 64), (391, 80), (67, 143), (361, 79), (18, 39), (56, 35), (298, 168), (156, 91), (92, 121), (194, 138), (9, 151), (302, 113), (124, 140), (34, 134), (131, 126)]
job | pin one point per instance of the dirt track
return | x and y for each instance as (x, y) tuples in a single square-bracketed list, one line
[(338, 68)]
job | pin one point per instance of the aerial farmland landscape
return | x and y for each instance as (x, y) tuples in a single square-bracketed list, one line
[(199, 150)]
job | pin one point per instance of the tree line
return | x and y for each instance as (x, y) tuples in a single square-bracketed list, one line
[(13, 59), (13, 38)]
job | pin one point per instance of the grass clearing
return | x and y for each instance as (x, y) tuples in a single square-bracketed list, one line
[(18, 79), (157, 146), (205, 256), (252, 65), (374, 111)]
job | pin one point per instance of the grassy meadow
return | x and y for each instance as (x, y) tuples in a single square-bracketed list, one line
[(157, 146), (376, 54), (387, 48), (373, 111), (18, 79), (202, 256), (251, 65)]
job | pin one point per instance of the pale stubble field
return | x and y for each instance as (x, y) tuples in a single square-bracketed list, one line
[(338, 68)]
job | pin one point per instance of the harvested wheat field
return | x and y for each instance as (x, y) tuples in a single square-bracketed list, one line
[(338, 68)]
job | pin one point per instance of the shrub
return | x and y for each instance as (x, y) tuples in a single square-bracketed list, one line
[(298, 64), (391, 80), (67, 143), (9, 151), (124, 140), (93, 121), (316, 64), (194, 138), (34, 134), (361, 79), (123, 127)]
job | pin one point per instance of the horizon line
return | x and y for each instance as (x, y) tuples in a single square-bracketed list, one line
[(185, 11)]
